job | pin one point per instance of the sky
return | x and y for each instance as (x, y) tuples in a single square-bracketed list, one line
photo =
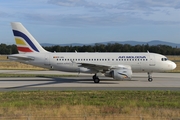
[(92, 21)]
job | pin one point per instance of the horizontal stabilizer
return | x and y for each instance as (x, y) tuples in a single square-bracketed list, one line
[(20, 57)]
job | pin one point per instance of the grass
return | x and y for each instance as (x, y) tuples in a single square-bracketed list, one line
[(101, 105), (12, 65), (153, 104)]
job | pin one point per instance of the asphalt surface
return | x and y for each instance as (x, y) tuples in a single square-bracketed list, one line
[(161, 81)]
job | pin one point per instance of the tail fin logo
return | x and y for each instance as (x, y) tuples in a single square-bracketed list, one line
[(24, 44)]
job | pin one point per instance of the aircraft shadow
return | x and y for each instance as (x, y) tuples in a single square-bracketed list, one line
[(55, 80)]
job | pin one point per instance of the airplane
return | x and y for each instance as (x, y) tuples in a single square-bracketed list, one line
[(118, 65)]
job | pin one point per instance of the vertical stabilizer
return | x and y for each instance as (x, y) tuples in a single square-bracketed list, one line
[(25, 42)]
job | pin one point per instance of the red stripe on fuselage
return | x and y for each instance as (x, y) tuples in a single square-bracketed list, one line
[(24, 49)]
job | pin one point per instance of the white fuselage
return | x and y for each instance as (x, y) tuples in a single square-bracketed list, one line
[(119, 66), (70, 62)]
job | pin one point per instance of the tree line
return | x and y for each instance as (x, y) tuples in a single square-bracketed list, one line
[(161, 49)]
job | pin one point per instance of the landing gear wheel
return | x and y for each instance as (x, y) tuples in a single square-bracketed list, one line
[(96, 79), (150, 79)]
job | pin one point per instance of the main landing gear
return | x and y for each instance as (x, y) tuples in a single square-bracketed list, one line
[(150, 79), (96, 79)]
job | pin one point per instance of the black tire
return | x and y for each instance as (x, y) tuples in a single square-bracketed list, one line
[(150, 79), (96, 80)]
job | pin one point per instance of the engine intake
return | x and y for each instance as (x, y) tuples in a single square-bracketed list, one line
[(120, 73)]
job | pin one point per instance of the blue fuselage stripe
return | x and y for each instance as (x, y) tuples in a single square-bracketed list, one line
[(20, 34)]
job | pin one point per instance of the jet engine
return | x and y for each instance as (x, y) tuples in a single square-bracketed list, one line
[(120, 73)]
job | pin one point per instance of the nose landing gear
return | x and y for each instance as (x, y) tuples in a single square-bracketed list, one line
[(150, 79)]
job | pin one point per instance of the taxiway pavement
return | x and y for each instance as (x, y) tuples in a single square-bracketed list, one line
[(162, 81)]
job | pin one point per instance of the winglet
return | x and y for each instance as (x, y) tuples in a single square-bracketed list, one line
[(25, 42)]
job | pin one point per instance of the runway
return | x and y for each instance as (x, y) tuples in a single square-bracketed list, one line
[(162, 81)]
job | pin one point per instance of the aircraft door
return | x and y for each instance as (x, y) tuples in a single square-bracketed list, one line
[(46, 60), (152, 60)]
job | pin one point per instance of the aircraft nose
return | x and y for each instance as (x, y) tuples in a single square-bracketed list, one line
[(173, 65)]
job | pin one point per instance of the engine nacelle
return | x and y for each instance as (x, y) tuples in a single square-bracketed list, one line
[(120, 73)]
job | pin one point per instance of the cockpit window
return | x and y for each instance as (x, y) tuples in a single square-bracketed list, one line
[(164, 59)]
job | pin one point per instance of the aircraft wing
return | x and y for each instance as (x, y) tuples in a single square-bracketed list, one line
[(96, 67), (100, 67)]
